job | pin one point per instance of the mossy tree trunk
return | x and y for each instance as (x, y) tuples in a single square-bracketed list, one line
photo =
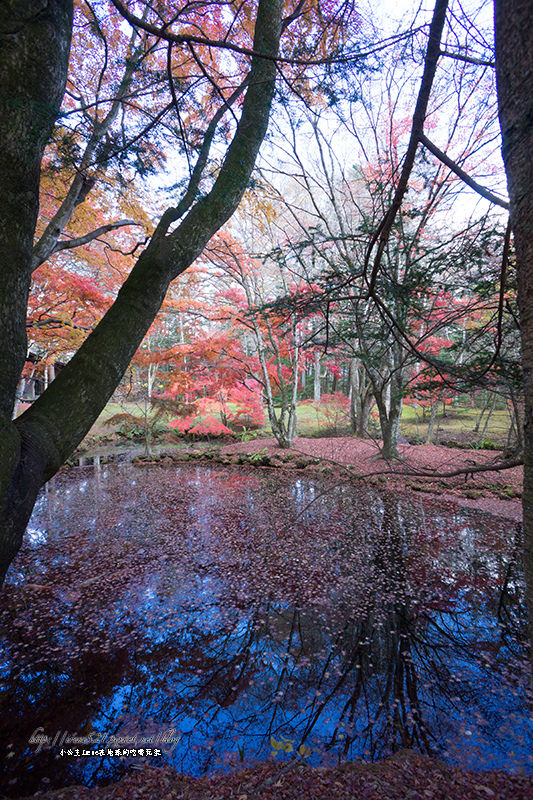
[(34, 51), (514, 71), (34, 47)]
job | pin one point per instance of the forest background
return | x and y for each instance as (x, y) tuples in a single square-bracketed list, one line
[(274, 311)]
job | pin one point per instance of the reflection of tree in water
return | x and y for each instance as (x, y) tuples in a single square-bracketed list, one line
[(355, 634), (416, 650)]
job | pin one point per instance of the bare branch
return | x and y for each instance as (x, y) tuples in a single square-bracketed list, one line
[(56, 323), (468, 59), (190, 38), (382, 234), (46, 244), (495, 466), (176, 104), (294, 15), (69, 244), (173, 214), (455, 168)]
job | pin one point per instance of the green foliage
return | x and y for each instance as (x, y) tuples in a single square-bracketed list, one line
[(127, 425), (257, 457), (248, 435), (487, 444)]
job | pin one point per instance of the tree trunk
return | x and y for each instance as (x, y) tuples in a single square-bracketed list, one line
[(316, 379), (432, 418), (389, 400), (33, 67), (292, 424), (360, 401), (514, 73), (487, 419), (516, 418), (482, 414), (387, 394), (355, 397), (34, 51), (364, 418), (20, 396), (390, 429)]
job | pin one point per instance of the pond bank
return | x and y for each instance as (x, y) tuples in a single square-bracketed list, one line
[(494, 491), (421, 468)]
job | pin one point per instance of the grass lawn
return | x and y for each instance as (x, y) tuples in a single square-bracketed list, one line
[(136, 409), (457, 425)]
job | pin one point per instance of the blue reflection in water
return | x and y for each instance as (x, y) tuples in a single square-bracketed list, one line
[(223, 615)]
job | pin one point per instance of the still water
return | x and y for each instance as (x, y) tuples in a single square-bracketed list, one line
[(204, 617)]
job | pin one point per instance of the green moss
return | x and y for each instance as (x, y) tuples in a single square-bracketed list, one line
[(473, 494)]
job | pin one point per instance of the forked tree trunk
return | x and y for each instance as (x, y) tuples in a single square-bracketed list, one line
[(390, 429), (360, 399), (485, 408), (514, 71), (363, 419), (487, 420), (34, 47)]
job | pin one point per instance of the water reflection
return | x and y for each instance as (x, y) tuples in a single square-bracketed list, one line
[(251, 615)]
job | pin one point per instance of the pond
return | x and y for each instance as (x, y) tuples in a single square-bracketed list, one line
[(205, 617)]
